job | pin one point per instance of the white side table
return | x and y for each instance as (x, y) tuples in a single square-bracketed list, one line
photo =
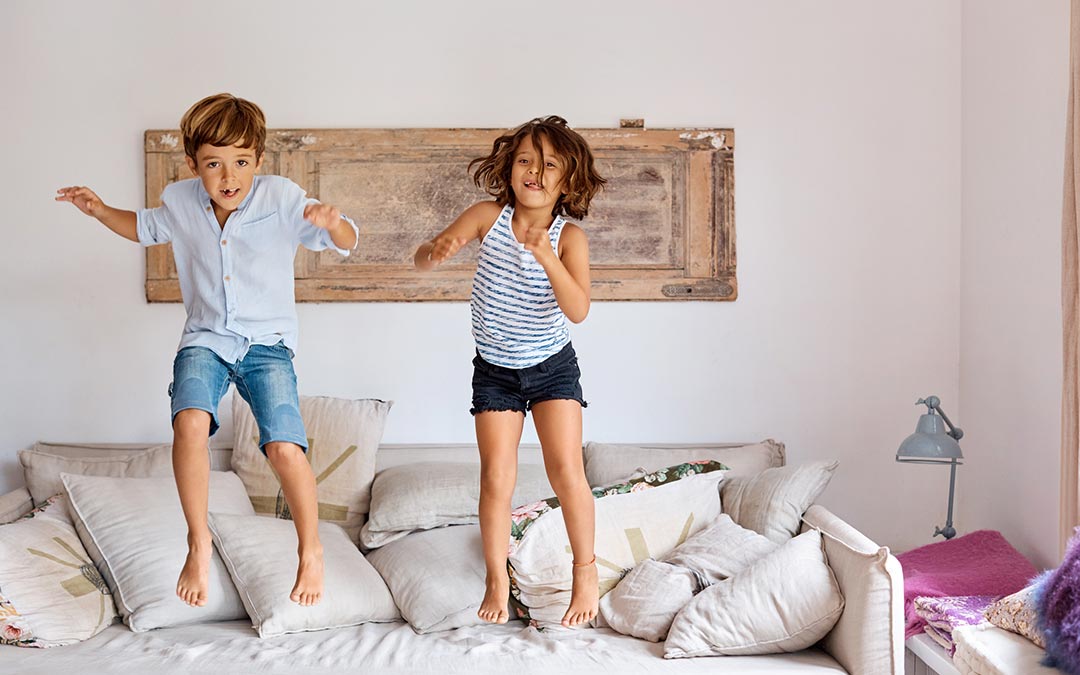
[(926, 657)]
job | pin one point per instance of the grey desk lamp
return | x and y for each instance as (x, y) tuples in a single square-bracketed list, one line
[(933, 444)]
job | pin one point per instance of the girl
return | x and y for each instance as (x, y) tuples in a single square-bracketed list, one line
[(532, 274)]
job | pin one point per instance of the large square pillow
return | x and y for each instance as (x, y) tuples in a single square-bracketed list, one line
[(50, 592), (773, 502), (610, 463), (261, 556), (42, 469), (426, 495), (437, 576), (134, 531), (343, 436), (643, 518), (784, 602)]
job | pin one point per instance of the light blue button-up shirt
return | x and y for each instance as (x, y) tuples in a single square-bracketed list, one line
[(237, 281)]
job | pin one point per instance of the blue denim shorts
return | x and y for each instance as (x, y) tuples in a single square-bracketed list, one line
[(496, 388), (264, 378)]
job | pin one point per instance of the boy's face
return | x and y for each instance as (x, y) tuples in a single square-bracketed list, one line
[(226, 172), (529, 191)]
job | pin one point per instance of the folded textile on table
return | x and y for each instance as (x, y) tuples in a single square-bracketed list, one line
[(943, 615), (979, 563)]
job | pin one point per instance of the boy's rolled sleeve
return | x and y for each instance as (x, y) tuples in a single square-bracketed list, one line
[(311, 237), (155, 226)]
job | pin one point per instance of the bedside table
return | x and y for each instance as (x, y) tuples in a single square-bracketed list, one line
[(923, 656)]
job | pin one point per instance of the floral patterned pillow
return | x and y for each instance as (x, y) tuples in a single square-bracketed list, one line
[(645, 517), (1016, 613), (50, 592)]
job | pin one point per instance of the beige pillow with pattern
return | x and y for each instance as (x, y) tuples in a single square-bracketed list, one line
[(51, 594), (343, 437), (1016, 613)]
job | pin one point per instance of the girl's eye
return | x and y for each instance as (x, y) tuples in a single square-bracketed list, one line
[(550, 165)]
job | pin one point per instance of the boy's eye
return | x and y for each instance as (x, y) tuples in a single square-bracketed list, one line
[(211, 165), (242, 162)]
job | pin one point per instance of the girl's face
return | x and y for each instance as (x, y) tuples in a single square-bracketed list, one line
[(530, 190)]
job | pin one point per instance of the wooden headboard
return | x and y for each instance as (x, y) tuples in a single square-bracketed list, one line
[(663, 228)]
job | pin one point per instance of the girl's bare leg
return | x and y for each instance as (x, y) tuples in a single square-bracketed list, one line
[(497, 434)]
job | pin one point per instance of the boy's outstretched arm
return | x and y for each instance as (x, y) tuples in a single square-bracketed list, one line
[(468, 226), (122, 222), (329, 218)]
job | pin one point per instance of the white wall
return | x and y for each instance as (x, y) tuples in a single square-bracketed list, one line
[(1015, 83), (847, 117)]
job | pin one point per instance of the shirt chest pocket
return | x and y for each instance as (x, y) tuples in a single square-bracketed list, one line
[(260, 233)]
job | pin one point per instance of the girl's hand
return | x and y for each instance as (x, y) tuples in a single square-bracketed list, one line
[(83, 198), (322, 215), (444, 247), (538, 242)]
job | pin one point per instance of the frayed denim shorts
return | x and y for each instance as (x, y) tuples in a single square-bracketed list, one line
[(264, 377), (496, 388)]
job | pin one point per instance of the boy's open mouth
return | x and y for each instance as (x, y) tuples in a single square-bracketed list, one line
[(229, 194)]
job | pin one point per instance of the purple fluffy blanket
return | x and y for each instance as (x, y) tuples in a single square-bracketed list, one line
[(979, 563), (1057, 607)]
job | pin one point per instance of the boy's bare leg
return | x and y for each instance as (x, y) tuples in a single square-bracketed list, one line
[(558, 425), (191, 467), (497, 434), (298, 484)]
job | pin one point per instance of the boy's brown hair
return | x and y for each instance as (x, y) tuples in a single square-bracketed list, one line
[(223, 119), (581, 182)]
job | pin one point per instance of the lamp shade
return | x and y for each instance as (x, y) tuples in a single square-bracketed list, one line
[(930, 444)]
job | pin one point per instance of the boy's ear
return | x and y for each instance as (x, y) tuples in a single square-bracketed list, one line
[(258, 162), (191, 165)]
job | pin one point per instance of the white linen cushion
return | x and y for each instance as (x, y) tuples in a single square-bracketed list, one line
[(15, 505), (343, 436), (610, 463), (427, 495), (50, 592), (42, 469), (260, 554), (772, 502), (646, 601), (437, 577), (784, 602), (643, 518), (134, 530)]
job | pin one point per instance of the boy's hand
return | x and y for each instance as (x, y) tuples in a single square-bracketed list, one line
[(538, 242), (444, 247), (83, 198), (322, 215)]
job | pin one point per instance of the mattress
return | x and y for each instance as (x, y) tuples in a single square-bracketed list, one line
[(233, 647)]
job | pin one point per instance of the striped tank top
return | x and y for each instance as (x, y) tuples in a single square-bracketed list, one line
[(516, 320)]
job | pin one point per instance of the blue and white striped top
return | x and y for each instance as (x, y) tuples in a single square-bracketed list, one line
[(517, 323)]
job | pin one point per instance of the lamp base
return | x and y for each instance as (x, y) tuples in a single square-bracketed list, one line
[(949, 532)]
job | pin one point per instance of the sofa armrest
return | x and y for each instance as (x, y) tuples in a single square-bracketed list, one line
[(15, 505), (869, 637)]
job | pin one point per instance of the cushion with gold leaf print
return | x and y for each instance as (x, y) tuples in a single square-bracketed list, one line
[(343, 437), (645, 517), (50, 592)]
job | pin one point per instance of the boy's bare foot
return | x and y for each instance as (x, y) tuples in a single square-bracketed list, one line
[(493, 608), (192, 587), (309, 579), (584, 596)]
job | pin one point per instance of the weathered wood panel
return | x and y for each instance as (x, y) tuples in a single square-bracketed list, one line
[(663, 229)]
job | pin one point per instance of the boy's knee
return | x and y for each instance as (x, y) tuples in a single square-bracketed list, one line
[(282, 451), (192, 424)]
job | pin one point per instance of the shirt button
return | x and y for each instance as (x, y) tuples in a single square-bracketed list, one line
[(208, 208), (224, 241), (227, 277)]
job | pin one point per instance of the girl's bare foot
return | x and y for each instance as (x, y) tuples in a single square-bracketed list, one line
[(493, 608), (192, 587), (309, 579), (584, 596)]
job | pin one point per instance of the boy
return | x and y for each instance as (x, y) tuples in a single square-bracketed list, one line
[(234, 237)]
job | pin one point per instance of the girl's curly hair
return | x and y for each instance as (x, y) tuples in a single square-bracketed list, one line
[(581, 182)]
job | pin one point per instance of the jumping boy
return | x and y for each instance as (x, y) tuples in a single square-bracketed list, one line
[(234, 236)]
